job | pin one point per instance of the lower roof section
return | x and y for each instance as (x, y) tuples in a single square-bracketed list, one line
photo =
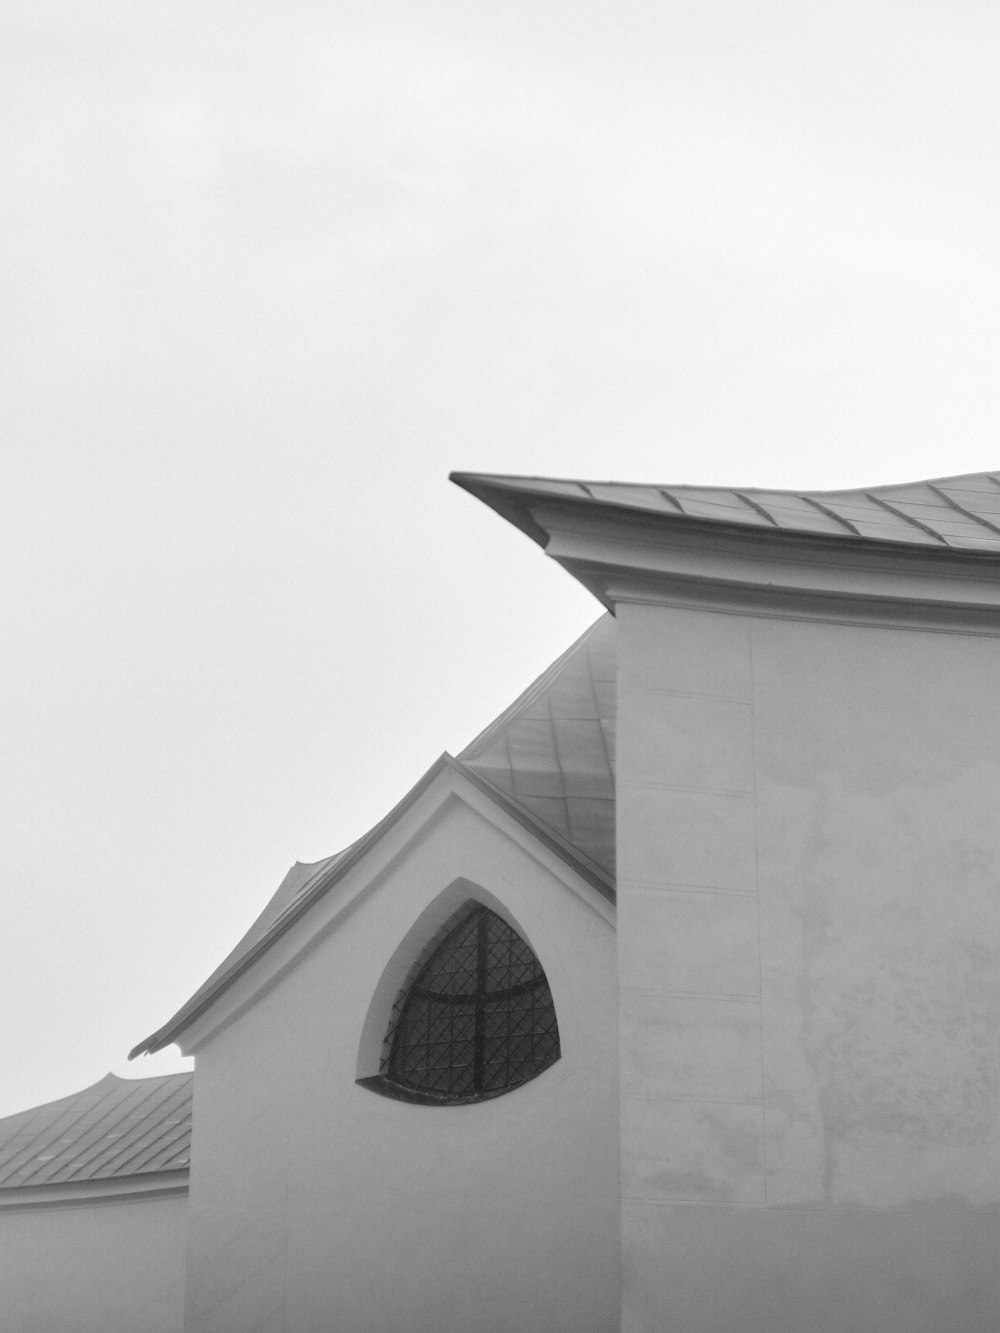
[(118, 1129)]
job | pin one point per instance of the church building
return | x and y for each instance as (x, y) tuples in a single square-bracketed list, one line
[(670, 1003)]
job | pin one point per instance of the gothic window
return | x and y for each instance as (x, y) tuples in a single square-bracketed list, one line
[(474, 1019)]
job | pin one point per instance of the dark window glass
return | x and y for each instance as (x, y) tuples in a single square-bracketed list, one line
[(475, 1019)]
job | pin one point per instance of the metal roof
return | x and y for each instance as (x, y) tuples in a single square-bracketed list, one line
[(949, 512), (553, 750), (549, 758), (117, 1128)]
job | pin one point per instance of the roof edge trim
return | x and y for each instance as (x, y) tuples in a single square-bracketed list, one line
[(202, 999), (199, 1002), (82, 1193), (514, 509), (518, 500)]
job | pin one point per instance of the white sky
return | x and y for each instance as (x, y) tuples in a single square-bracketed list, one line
[(271, 270)]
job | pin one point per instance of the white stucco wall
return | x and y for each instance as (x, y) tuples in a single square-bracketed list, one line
[(94, 1268), (809, 953), (318, 1205)]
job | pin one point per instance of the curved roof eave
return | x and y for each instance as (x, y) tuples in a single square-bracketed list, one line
[(943, 515), (257, 942)]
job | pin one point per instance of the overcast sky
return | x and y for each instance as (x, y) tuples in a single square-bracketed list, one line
[(271, 270)]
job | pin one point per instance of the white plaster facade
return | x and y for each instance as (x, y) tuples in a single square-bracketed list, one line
[(808, 896), (809, 957), (317, 1204), (777, 1107), (110, 1262)]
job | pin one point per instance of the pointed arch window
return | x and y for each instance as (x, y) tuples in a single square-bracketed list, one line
[(474, 1019)]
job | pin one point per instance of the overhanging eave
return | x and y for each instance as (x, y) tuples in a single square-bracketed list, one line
[(621, 554)]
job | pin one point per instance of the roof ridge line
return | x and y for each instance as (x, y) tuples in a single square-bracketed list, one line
[(72, 1096)]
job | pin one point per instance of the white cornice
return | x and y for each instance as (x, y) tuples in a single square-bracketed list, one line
[(628, 557), (91, 1193)]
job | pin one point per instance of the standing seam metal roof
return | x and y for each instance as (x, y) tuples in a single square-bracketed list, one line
[(114, 1129), (961, 512), (553, 749)]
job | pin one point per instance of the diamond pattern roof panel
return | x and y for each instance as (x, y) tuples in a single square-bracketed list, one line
[(583, 760), (553, 749), (529, 744), (117, 1128), (551, 810)]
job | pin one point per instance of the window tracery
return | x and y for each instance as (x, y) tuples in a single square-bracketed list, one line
[(475, 1018)]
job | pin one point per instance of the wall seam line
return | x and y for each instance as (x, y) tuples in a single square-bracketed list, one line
[(756, 854), (653, 888), (694, 694), (688, 787), (694, 1098), (743, 997)]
